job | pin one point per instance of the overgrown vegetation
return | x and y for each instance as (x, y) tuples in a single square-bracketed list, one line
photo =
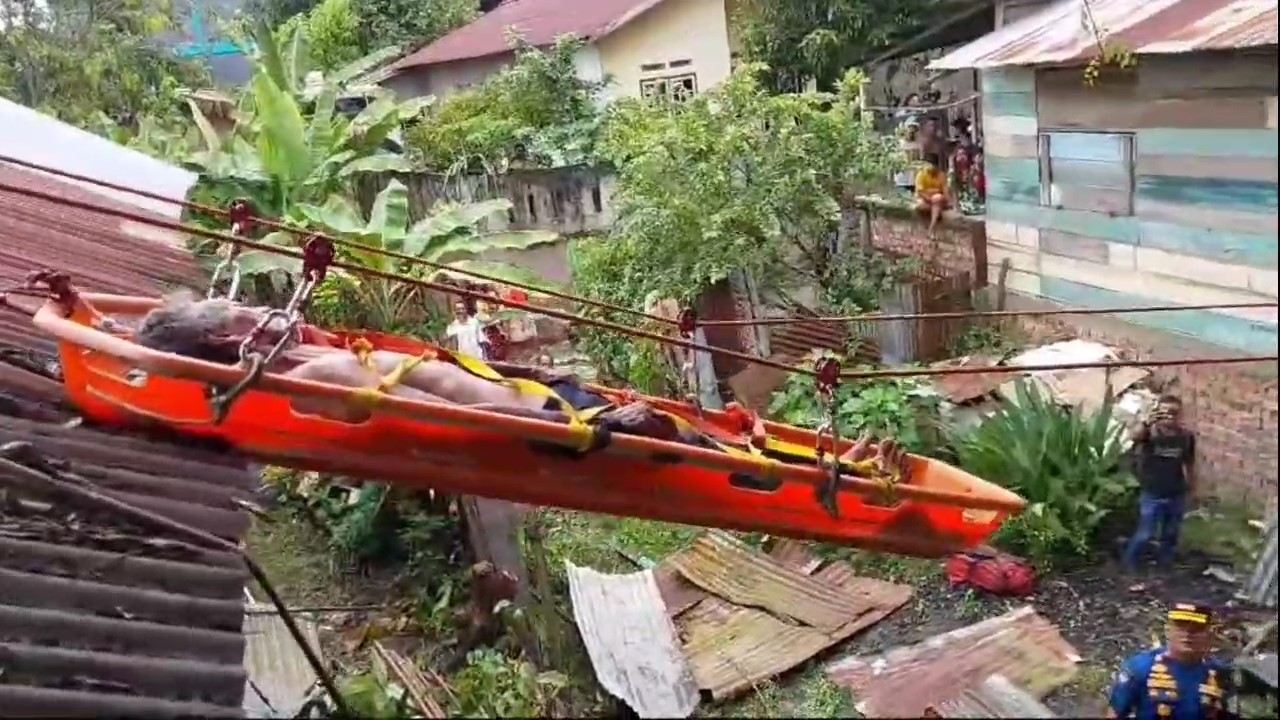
[(451, 236), (535, 113), (1069, 466), (735, 179), (905, 409), (81, 60)]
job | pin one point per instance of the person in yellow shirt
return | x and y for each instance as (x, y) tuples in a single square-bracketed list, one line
[(932, 194)]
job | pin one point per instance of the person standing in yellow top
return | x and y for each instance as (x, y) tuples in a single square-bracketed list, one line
[(933, 196)]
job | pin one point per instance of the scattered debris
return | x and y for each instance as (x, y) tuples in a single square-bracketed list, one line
[(1217, 572), (996, 697), (731, 648), (279, 677), (905, 681), (965, 389), (392, 667), (631, 642)]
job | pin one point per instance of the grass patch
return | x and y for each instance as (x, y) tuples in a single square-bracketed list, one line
[(1221, 530), (608, 543), (808, 694), (295, 555)]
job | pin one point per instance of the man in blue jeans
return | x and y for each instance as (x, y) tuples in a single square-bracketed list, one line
[(1165, 452)]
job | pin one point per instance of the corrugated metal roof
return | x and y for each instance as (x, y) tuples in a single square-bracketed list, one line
[(99, 616), (732, 648), (1060, 33), (996, 697), (37, 138), (906, 681), (723, 565), (538, 22), (631, 641)]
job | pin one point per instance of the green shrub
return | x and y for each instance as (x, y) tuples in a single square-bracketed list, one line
[(904, 409), (1070, 468)]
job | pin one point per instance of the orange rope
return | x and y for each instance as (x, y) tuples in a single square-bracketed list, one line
[(603, 325)]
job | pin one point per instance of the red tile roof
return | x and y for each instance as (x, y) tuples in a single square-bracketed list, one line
[(539, 22)]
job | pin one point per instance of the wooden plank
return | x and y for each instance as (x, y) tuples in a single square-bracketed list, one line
[(1271, 112), (1020, 258), (1027, 283), (1245, 195), (1235, 221), (1185, 75), (1211, 327), (1012, 234), (1091, 224), (1010, 124), (997, 144), (1152, 285), (1015, 179), (1198, 270), (1009, 79), (1120, 109), (1055, 242), (1089, 146), (1259, 143), (1096, 174), (1194, 166), (1018, 104), (1254, 250)]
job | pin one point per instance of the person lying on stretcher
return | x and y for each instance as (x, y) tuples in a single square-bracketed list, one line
[(213, 330)]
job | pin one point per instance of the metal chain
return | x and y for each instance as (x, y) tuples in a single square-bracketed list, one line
[(241, 215), (827, 370), (318, 253)]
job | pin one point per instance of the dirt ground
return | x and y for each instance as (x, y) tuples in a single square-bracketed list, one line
[(1105, 612)]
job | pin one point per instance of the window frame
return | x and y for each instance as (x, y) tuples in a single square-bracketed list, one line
[(1128, 161)]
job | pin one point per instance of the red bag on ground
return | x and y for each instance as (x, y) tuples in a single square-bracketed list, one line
[(996, 573)]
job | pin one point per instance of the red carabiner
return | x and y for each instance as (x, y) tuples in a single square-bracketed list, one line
[(827, 375), (317, 256)]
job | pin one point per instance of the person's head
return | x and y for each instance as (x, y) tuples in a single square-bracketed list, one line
[(460, 311), (912, 100), (960, 158), (933, 160), (1168, 411), (210, 330), (930, 126), (1187, 631)]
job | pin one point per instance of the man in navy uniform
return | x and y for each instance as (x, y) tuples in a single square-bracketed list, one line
[(1181, 680)]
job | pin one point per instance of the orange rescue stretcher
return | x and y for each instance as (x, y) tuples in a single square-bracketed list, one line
[(937, 510)]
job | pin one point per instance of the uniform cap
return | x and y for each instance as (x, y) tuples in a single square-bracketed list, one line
[(1190, 612)]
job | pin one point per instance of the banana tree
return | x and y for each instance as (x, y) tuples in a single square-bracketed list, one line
[(451, 237)]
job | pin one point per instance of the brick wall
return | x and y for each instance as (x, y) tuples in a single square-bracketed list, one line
[(960, 245), (1231, 408)]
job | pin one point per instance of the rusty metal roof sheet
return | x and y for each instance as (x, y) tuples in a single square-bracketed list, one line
[(996, 697), (723, 565), (100, 253), (1062, 32), (99, 616), (632, 642), (732, 648), (906, 681)]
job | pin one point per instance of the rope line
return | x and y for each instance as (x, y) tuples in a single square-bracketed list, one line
[(303, 232), (868, 317), (614, 327)]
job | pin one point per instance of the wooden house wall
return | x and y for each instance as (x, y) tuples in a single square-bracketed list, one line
[(1157, 186)]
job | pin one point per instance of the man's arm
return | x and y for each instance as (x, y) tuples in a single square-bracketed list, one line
[(1127, 690)]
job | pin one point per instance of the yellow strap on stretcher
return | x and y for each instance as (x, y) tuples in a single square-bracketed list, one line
[(579, 421)]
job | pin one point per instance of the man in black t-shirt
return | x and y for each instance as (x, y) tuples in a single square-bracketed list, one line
[(1165, 452)]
